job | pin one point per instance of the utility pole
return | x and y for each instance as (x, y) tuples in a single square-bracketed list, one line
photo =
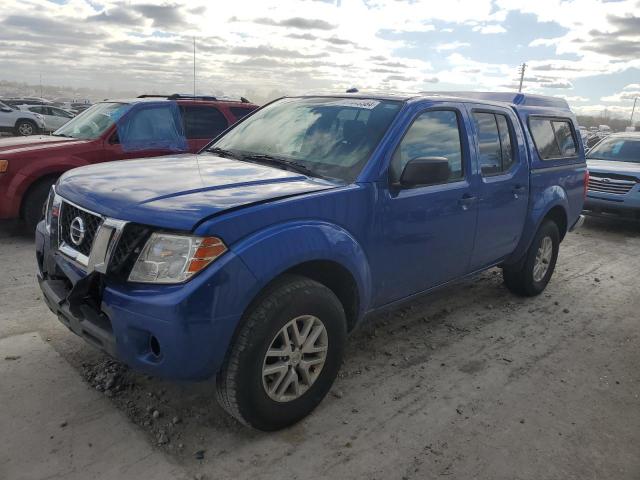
[(633, 111), (523, 67), (194, 67)]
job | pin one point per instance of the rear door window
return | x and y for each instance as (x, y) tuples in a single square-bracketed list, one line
[(494, 143), (554, 138), (488, 143), (203, 122)]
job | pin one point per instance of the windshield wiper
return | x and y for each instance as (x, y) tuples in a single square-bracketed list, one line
[(223, 153), (61, 135), (277, 161)]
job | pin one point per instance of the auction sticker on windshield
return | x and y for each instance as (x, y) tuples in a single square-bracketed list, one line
[(356, 103)]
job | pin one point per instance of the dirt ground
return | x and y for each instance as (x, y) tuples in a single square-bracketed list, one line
[(469, 382)]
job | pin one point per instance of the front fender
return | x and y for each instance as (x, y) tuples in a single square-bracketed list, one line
[(543, 202), (278, 248)]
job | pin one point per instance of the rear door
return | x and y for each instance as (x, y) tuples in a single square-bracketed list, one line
[(202, 123), (503, 187)]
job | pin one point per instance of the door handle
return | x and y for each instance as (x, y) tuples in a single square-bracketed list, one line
[(466, 201), (519, 190)]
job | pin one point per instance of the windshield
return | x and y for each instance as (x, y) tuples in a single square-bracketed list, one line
[(328, 137), (93, 122), (617, 149)]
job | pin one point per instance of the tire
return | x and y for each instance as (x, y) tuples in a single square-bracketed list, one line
[(240, 387), (33, 203), (25, 128), (524, 279)]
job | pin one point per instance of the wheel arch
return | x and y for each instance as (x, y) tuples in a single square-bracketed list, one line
[(559, 216), (38, 181), (317, 250), (552, 203)]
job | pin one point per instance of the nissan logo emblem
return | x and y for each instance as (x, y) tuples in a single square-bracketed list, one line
[(77, 231), (606, 180)]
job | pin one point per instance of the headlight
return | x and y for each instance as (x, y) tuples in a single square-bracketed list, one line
[(52, 209), (170, 258)]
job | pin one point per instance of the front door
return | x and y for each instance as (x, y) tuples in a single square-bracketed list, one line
[(503, 191), (427, 231), (147, 130)]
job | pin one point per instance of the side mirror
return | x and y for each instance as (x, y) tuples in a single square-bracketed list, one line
[(425, 171)]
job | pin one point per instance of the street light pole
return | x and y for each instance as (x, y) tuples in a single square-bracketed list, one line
[(633, 111)]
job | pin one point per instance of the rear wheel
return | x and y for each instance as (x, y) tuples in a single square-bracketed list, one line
[(25, 128), (33, 203), (286, 355), (531, 277)]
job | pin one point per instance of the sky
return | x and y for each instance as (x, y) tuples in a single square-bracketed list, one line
[(587, 51)]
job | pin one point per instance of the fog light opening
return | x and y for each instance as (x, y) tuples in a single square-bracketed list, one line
[(154, 345)]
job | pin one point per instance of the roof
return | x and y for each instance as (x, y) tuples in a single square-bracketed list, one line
[(633, 135), (510, 98), (182, 97)]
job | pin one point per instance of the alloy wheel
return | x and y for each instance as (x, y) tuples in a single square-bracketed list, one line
[(295, 358)]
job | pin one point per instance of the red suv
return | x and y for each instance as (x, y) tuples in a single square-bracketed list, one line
[(109, 130)]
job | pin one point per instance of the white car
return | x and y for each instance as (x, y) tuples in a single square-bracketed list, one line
[(54, 117), (20, 122)]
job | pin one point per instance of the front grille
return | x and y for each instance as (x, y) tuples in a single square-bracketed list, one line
[(128, 248), (89, 221), (616, 185)]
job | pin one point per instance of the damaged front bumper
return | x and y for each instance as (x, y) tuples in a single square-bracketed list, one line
[(171, 331)]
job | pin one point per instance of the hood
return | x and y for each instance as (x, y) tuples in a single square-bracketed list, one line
[(33, 143), (609, 166), (178, 191)]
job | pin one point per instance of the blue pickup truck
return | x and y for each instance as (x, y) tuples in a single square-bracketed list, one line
[(251, 261)]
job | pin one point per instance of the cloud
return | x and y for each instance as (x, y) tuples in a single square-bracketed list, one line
[(399, 78), (297, 22), (268, 51), (339, 41), (547, 67), (627, 25), (451, 46), (574, 98), (116, 16), (628, 94), (162, 16), (487, 29), (615, 47), (302, 36)]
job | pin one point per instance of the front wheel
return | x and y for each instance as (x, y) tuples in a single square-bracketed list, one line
[(286, 355), (531, 277)]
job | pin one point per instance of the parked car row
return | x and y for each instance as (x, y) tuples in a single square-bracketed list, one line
[(110, 130)]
